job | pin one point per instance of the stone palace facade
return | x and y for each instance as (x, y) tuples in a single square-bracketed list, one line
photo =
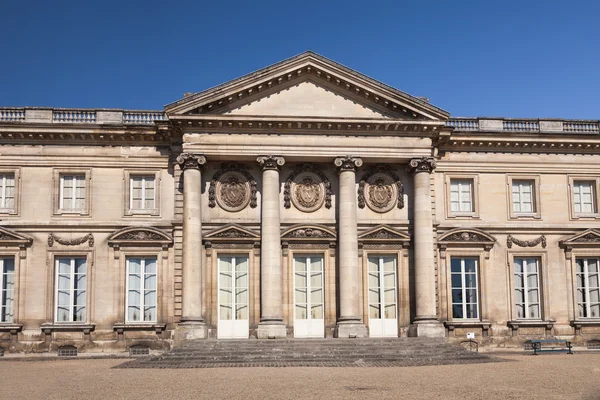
[(302, 200)]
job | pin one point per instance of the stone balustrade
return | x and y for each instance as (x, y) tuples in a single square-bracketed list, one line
[(523, 125), (80, 116), (148, 117)]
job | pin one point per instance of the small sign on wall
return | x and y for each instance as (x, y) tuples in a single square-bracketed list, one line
[(470, 335)]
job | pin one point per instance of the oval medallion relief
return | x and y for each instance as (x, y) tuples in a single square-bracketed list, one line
[(233, 191), (307, 192), (381, 193)]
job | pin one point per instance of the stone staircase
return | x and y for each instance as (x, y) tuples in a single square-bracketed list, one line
[(311, 352)]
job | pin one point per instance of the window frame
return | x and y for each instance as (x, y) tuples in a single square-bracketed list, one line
[(127, 193), (72, 257), (58, 173), (16, 172), (576, 287), (14, 289), (142, 289), (573, 179), (474, 213), (536, 198), (464, 288), (542, 258)]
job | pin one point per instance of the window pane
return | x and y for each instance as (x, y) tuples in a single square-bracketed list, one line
[(457, 296), (150, 314), (241, 264), (470, 264), (455, 264), (150, 265), (300, 311), (456, 281), (225, 296), (373, 280), (301, 297), (225, 312), (316, 311), (316, 280), (150, 282), (457, 311), (241, 311), (374, 296), (374, 311), (150, 298), (316, 296), (241, 295), (373, 264)]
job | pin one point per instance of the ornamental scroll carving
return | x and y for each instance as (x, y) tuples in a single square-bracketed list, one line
[(190, 161), (380, 189), (423, 164), (233, 188), (140, 235), (466, 237), (525, 243), (71, 242), (308, 188), (309, 233)]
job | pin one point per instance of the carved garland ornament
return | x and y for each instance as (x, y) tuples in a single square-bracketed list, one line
[(308, 188), (380, 189), (525, 243), (309, 233), (71, 242), (233, 187)]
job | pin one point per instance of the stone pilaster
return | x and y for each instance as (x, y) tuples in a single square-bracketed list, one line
[(271, 313), (349, 323), (426, 322), (192, 324)]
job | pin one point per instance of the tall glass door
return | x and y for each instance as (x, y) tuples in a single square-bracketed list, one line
[(233, 297), (309, 312), (383, 307)]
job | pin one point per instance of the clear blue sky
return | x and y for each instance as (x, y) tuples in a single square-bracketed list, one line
[(471, 58)]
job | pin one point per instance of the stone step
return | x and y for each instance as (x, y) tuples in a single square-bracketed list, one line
[(311, 352)]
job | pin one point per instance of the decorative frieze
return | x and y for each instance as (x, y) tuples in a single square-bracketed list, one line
[(313, 233), (380, 189), (307, 188), (71, 242), (526, 243)]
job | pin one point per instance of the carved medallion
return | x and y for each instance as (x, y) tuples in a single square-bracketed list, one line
[(307, 192), (381, 192), (232, 191)]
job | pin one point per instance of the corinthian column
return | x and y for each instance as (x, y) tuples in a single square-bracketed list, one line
[(192, 324), (271, 311), (349, 323), (425, 322)]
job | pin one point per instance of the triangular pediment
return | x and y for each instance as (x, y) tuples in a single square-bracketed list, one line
[(307, 85), (308, 99), (232, 231), (590, 236), (11, 238), (383, 232)]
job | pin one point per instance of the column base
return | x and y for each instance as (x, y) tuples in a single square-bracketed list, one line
[(190, 330), (350, 329), (427, 328), (271, 330)]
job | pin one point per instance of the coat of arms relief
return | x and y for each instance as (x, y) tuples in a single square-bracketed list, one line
[(232, 188), (308, 189), (381, 190)]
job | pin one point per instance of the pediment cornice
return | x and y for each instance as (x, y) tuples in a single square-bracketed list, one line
[(307, 66), (10, 238), (585, 238), (140, 236), (384, 233), (232, 232)]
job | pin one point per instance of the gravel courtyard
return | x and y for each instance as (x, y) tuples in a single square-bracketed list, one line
[(526, 377)]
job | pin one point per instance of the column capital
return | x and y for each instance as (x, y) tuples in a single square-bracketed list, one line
[(423, 164), (270, 162), (190, 161), (348, 163)]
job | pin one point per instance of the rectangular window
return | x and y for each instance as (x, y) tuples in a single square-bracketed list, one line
[(523, 196), (142, 195), (7, 191), (461, 195), (141, 289), (464, 288), (71, 293), (7, 289), (588, 288), (72, 192), (527, 287), (583, 197)]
